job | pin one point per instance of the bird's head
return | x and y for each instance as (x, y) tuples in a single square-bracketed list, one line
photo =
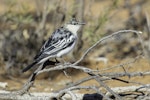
[(74, 25)]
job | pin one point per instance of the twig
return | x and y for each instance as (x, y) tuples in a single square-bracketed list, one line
[(85, 79), (147, 50), (44, 15), (7, 95), (105, 86), (102, 39), (86, 70), (30, 82), (122, 64), (148, 26), (82, 68), (62, 92), (124, 90), (65, 66), (126, 74)]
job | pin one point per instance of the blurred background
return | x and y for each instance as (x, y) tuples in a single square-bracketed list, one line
[(26, 24)]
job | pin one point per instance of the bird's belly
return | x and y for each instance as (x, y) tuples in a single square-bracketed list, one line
[(66, 50)]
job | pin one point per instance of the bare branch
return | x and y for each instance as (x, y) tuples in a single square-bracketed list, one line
[(78, 88), (122, 64), (65, 66), (30, 82), (147, 50), (103, 39), (133, 74), (86, 70), (44, 16), (94, 74), (143, 89)]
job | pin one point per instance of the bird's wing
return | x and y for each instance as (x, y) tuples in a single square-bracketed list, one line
[(59, 40)]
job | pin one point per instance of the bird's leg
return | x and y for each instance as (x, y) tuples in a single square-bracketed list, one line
[(57, 60), (64, 62), (65, 72)]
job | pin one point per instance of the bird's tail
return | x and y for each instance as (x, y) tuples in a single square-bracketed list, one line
[(29, 66)]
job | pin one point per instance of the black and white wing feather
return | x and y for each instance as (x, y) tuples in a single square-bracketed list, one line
[(59, 41)]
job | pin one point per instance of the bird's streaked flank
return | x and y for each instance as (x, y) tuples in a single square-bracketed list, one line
[(61, 42)]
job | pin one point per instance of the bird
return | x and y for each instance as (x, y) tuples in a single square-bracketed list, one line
[(60, 43)]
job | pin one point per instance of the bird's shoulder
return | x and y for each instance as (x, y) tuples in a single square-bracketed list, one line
[(61, 32)]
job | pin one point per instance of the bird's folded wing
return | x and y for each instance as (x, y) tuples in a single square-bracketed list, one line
[(55, 44)]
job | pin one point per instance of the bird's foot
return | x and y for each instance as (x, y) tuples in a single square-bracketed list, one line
[(57, 61)]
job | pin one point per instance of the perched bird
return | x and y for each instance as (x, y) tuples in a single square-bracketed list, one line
[(61, 42)]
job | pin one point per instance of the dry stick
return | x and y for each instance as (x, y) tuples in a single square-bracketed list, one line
[(109, 77), (86, 70), (126, 91), (78, 82), (29, 83), (147, 50), (106, 78), (85, 79), (148, 26), (105, 38), (126, 74), (90, 78), (31, 79), (44, 15), (41, 26), (122, 64), (85, 54), (65, 66), (62, 92), (105, 86), (135, 74)]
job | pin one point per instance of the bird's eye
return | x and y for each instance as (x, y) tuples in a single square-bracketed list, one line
[(75, 23)]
